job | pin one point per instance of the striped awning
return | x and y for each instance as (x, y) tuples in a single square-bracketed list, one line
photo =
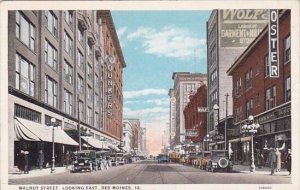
[(32, 131), (95, 143)]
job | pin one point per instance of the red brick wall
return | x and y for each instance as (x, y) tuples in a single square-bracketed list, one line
[(260, 83), (191, 115)]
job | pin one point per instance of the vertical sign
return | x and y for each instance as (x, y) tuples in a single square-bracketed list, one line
[(273, 43), (110, 85)]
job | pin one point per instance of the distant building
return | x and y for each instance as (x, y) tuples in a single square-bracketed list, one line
[(127, 136), (267, 99), (185, 83), (172, 119), (229, 32), (195, 120)]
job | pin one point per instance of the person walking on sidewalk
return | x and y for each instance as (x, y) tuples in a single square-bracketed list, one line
[(272, 160), (278, 160), (289, 161), (26, 162), (41, 159), (67, 159)]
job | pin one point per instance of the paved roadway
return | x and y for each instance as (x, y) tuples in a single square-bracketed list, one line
[(149, 172)]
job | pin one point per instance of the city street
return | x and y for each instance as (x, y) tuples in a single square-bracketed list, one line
[(149, 172)]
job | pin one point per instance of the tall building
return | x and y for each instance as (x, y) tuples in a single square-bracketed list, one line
[(127, 136), (57, 68), (185, 83), (136, 127), (229, 32), (172, 120), (113, 73), (267, 99), (195, 121)]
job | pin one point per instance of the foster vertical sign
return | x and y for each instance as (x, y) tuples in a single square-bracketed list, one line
[(273, 43)]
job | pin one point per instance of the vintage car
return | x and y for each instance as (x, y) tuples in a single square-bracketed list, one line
[(101, 160), (204, 159), (113, 160), (85, 160), (163, 158), (219, 161), (190, 157), (120, 158), (182, 159)]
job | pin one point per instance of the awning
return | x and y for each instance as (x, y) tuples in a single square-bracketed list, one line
[(95, 142), (244, 139), (114, 147), (32, 131)]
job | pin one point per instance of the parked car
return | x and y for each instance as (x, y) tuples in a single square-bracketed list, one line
[(219, 161), (85, 160), (182, 159), (190, 157), (101, 160), (120, 158), (204, 159), (163, 158)]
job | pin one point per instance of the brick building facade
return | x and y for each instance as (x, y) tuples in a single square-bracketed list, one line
[(194, 119), (56, 69), (267, 99)]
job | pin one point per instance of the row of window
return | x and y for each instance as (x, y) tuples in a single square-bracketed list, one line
[(25, 82), (270, 100)]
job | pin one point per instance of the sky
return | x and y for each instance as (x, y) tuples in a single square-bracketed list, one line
[(155, 44)]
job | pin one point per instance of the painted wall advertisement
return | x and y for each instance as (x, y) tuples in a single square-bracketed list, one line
[(239, 27)]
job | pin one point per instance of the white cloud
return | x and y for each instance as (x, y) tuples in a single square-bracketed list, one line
[(144, 92), (159, 102), (170, 41)]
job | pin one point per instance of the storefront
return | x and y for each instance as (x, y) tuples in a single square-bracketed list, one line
[(274, 132)]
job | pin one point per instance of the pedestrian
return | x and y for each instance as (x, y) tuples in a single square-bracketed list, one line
[(289, 161), (272, 160), (278, 160), (41, 159), (20, 161), (26, 162), (67, 159)]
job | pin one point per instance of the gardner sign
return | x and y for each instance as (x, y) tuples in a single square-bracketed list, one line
[(273, 43)]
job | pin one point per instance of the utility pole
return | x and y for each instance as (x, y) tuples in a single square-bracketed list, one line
[(79, 130), (226, 114)]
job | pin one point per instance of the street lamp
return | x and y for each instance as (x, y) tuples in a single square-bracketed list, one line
[(251, 128), (207, 139), (87, 133), (53, 124)]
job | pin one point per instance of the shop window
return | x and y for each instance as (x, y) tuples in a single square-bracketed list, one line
[(26, 113), (287, 123), (267, 128), (280, 125), (273, 127)]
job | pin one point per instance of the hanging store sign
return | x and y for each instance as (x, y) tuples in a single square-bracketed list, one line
[(110, 60), (239, 27), (273, 43), (191, 133)]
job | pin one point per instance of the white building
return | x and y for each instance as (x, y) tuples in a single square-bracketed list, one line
[(127, 136), (172, 114), (185, 83)]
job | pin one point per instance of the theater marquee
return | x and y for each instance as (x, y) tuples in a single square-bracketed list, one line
[(239, 27)]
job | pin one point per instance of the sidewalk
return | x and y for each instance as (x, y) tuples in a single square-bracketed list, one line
[(37, 172), (262, 170)]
